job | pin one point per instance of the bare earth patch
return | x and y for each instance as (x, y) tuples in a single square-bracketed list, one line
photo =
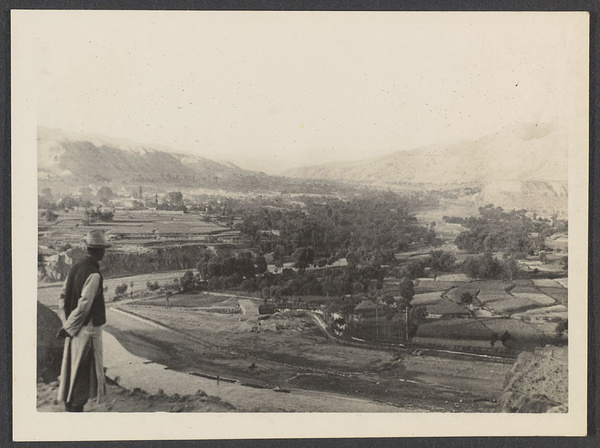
[(123, 400)]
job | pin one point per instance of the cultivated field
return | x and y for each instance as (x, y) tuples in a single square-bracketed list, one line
[(129, 227)]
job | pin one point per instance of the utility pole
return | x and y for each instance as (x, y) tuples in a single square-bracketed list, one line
[(406, 323), (376, 324)]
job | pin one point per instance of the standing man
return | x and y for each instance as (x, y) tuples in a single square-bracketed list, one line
[(82, 312)]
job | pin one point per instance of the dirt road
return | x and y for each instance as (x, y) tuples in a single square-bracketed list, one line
[(293, 353), (163, 345), (302, 358)]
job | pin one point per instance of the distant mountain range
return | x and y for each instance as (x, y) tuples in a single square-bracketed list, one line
[(520, 166), (82, 160), (521, 153)]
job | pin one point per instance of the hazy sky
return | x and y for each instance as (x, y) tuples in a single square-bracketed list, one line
[(278, 89)]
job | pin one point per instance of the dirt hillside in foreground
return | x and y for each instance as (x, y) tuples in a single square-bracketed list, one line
[(119, 399), (538, 382)]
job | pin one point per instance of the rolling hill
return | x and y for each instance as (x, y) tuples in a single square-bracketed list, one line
[(519, 166), (70, 159), (522, 166)]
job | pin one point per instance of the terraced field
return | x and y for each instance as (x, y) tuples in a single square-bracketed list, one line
[(527, 309), (426, 298), (455, 294), (470, 329), (128, 227), (430, 285), (555, 311), (559, 294)]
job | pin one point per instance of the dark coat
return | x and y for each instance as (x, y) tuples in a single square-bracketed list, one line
[(76, 278)]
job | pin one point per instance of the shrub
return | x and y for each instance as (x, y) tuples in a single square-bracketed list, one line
[(170, 287), (152, 286), (50, 216), (466, 298), (561, 328), (119, 290)]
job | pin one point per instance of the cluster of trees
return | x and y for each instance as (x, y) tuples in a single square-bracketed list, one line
[(97, 214), (173, 200), (496, 229), (489, 267), (46, 199), (153, 286), (438, 260), (248, 271), (121, 289), (223, 272), (49, 215), (368, 225)]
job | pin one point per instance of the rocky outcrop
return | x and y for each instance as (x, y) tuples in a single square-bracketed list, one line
[(54, 268), (49, 348), (537, 383)]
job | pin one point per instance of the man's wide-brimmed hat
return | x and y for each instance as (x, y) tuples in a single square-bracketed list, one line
[(96, 239)]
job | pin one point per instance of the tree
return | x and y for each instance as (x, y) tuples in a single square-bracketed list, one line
[(441, 261), (419, 313), (105, 194), (466, 298), (175, 197), (470, 267), (152, 286), (120, 289), (414, 269), (352, 258), (407, 292), (278, 253), (67, 202), (561, 328), (407, 289), (506, 336), (494, 337), (106, 216), (243, 265), (510, 267), (50, 216), (131, 288), (486, 266), (187, 281), (303, 257), (261, 264), (490, 267), (248, 284)]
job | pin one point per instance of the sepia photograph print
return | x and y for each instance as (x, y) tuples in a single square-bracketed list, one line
[(299, 224)]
